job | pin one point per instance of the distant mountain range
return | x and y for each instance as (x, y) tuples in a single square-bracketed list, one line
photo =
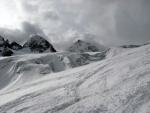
[(36, 44)]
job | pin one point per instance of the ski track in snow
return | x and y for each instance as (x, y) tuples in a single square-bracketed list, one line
[(118, 84)]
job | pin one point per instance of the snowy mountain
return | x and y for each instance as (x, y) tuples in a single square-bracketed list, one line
[(115, 81), (7, 49), (82, 46), (38, 44)]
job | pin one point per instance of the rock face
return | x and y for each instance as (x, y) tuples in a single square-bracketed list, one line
[(38, 44), (15, 46), (2, 41), (4, 47), (81, 46), (6, 52), (34, 44)]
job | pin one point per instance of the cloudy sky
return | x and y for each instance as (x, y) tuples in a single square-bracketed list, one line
[(109, 22)]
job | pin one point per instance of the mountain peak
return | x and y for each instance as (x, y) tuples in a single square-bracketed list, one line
[(79, 41), (37, 37), (83, 46), (37, 43)]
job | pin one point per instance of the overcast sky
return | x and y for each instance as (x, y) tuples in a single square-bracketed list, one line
[(109, 22)]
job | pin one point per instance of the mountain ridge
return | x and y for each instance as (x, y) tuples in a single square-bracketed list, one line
[(35, 43)]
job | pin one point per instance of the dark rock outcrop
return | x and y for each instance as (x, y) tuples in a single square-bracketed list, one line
[(130, 46), (38, 44), (4, 47), (6, 52)]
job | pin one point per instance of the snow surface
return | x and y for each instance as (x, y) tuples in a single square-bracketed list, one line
[(120, 83)]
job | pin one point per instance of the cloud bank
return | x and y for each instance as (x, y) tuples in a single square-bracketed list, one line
[(111, 22)]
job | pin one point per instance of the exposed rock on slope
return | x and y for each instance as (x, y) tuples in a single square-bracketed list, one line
[(130, 46), (4, 47), (38, 44)]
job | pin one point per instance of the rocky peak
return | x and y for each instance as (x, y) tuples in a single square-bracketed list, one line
[(38, 44), (82, 46), (79, 41), (4, 47)]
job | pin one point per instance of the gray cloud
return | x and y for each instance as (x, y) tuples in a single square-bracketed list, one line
[(50, 15), (32, 29), (14, 35), (23, 34), (132, 23), (65, 40), (26, 6), (115, 22), (109, 22)]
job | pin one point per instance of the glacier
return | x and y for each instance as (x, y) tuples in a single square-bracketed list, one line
[(115, 81)]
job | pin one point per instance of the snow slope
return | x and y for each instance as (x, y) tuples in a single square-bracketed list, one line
[(119, 83)]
